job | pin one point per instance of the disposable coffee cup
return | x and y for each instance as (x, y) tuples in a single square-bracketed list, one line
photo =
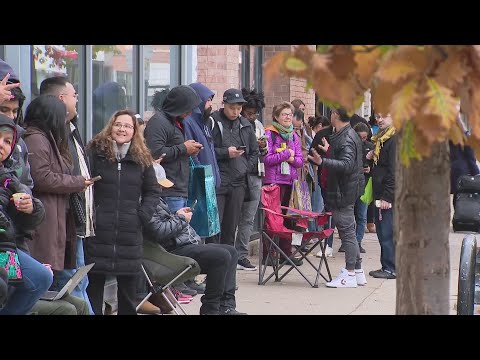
[(17, 197)]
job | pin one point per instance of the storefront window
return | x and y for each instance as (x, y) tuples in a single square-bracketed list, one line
[(157, 73), (112, 74), (54, 60)]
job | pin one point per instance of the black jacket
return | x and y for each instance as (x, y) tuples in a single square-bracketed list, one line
[(168, 229), (383, 175), (164, 137), (345, 180), (228, 133), (124, 190)]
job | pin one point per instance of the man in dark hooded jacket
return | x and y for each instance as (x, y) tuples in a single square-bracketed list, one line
[(198, 127), (165, 134)]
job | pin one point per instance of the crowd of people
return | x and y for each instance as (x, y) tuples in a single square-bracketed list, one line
[(44, 159)]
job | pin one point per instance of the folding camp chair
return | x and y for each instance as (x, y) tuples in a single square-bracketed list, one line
[(273, 231), (163, 269)]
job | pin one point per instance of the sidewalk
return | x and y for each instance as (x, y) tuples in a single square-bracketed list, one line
[(294, 296)]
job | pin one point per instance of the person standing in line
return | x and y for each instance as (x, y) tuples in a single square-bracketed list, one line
[(255, 103), (60, 87), (344, 185), (128, 185), (236, 150)]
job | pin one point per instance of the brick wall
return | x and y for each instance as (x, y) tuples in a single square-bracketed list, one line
[(218, 69)]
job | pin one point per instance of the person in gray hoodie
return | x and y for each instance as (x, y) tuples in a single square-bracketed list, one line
[(165, 134)]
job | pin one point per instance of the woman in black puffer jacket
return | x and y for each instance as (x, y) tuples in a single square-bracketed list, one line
[(128, 184)]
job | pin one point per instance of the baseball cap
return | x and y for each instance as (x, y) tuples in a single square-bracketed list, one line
[(162, 176), (233, 96)]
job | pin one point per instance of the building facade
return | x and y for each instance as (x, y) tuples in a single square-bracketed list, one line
[(112, 77)]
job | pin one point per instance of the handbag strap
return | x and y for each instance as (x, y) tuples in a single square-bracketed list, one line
[(192, 163)]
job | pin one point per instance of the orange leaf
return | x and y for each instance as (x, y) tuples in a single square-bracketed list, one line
[(452, 71), (405, 104), (382, 94), (342, 63), (273, 68), (429, 126), (367, 64), (475, 144), (457, 135), (403, 62), (441, 103)]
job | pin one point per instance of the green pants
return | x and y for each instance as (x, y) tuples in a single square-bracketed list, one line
[(68, 305)]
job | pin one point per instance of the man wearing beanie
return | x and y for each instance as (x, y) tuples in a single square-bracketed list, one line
[(165, 134)]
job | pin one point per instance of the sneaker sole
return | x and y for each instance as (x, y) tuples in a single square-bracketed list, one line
[(240, 267)]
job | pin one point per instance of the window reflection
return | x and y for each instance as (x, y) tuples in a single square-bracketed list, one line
[(54, 60), (112, 82), (157, 73)]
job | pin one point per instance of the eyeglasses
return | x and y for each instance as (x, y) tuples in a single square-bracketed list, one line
[(251, 113), (286, 114), (126, 126)]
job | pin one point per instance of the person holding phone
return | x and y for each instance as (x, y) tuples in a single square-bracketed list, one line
[(236, 150)]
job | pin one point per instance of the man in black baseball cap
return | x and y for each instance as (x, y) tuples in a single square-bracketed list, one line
[(233, 96), (236, 150)]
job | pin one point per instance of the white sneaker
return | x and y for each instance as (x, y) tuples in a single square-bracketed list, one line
[(328, 252), (361, 278), (343, 280)]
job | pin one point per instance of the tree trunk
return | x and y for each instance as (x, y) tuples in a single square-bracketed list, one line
[(421, 230)]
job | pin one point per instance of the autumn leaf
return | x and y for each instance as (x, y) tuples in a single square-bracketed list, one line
[(367, 64), (273, 68), (451, 72), (342, 64), (441, 103), (323, 49), (405, 104), (475, 144), (294, 64), (401, 63), (429, 126), (382, 95), (395, 70), (319, 62)]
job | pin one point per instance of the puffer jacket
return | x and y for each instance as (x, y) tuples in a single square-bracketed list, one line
[(345, 180), (273, 159), (167, 229)]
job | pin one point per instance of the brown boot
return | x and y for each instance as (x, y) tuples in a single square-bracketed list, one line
[(371, 228), (148, 308)]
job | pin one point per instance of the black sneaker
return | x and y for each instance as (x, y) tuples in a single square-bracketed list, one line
[(245, 264), (231, 311), (199, 288), (297, 262), (362, 250), (382, 274), (341, 249)]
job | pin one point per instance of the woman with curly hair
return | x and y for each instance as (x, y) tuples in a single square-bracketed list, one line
[(128, 186)]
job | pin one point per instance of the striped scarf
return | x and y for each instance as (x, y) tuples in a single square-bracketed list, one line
[(285, 133)]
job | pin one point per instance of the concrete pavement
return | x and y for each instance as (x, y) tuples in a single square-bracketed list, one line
[(294, 296)]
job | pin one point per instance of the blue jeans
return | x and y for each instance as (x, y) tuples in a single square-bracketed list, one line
[(62, 277), (175, 202), (361, 219), (36, 280), (317, 206), (385, 237)]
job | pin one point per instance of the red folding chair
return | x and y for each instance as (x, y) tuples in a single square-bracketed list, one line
[(273, 231)]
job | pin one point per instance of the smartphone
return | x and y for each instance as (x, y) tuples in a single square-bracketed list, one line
[(96, 178), (192, 207), (241, 148)]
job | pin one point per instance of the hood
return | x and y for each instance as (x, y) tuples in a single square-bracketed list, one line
[(179, 100), (204, 93), (5, 69), (4, 120)]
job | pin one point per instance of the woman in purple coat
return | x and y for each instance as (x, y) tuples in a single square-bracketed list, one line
[(282, 160)]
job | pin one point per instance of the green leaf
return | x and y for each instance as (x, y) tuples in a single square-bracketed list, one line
[(323, 49), (407, 146), (386, 48), (295, 64)]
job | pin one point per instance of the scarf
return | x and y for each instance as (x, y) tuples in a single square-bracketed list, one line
[(120, 150), (379, 139), (285, 133)]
